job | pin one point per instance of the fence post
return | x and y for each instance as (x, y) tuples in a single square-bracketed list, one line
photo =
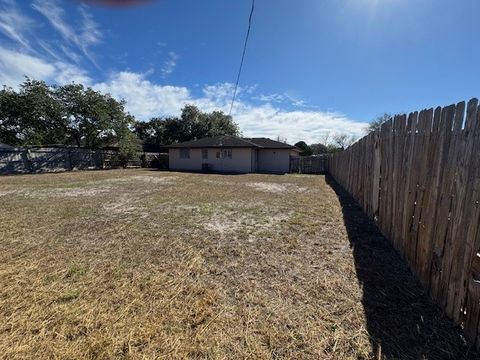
[(69, 159), (27, 164)]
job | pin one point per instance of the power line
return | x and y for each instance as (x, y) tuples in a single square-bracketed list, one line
[(243, 56)]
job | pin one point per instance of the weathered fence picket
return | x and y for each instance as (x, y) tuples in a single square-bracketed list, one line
[(419, 178)]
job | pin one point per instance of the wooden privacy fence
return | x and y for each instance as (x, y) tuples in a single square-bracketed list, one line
[(419, 178), (309, 164)]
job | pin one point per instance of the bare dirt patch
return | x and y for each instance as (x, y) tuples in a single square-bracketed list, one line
[(6, 192), (162, 180), (276, 187), (72, 192), (230, 223), (124, 205)]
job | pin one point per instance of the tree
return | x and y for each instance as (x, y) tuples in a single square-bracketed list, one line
[(192, 124), (319, 149), (195, 124), (151, 132), (325, 145), (38, 114), (128, 146), (306, 150), (218, 124), (377, 123), (325, 139), (94, 119), (10, 121), (31, 116), (343, 140)]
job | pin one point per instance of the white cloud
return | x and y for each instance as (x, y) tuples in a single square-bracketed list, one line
[(310, 126), (284, 98), (146, 99), (66, 73), (219, 94), (13, 24), (87, 35), (170, 64), (14, 66)]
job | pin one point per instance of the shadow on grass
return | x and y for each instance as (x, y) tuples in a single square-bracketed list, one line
[(403, 323)]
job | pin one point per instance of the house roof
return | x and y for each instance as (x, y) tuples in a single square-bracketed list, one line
[(270, 144), (232, 142)]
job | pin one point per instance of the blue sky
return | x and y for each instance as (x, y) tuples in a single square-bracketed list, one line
[(313, 67)]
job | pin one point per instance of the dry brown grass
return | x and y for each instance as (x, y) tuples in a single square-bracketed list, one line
[(142, 264)]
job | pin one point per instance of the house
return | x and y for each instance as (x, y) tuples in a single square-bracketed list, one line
[(232, 154)]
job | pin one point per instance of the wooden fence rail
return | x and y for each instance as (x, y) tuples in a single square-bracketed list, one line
[(419, 178)]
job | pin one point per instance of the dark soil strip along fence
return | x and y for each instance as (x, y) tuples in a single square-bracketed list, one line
[(401, 320), (418, 177), (37, 160)]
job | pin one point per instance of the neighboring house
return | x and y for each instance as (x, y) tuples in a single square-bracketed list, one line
[(232, 154)]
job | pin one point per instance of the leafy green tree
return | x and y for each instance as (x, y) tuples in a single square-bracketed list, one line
[(128, 146), (10, 121), (31, 116), (94, 119), (192, 124), (219, 124), (38, 114), (306, 150), (42, 122), (151, 132)]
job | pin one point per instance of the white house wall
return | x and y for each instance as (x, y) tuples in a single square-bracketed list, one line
[(194, 163), (273, 160), (241, 160)]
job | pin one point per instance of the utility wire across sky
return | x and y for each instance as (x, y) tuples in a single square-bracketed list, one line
[(243, 57)]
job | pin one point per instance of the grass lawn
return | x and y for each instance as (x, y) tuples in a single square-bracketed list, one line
[(145, 264)]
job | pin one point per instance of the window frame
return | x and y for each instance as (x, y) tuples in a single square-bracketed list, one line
[(185, 153), (204, 154), (225, 154)]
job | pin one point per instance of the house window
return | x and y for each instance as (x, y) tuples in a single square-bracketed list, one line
[(204, 153), (224, 154), (227, 153), (184, 153)]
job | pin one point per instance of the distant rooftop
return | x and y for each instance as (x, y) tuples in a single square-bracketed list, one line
[(233, 142)]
